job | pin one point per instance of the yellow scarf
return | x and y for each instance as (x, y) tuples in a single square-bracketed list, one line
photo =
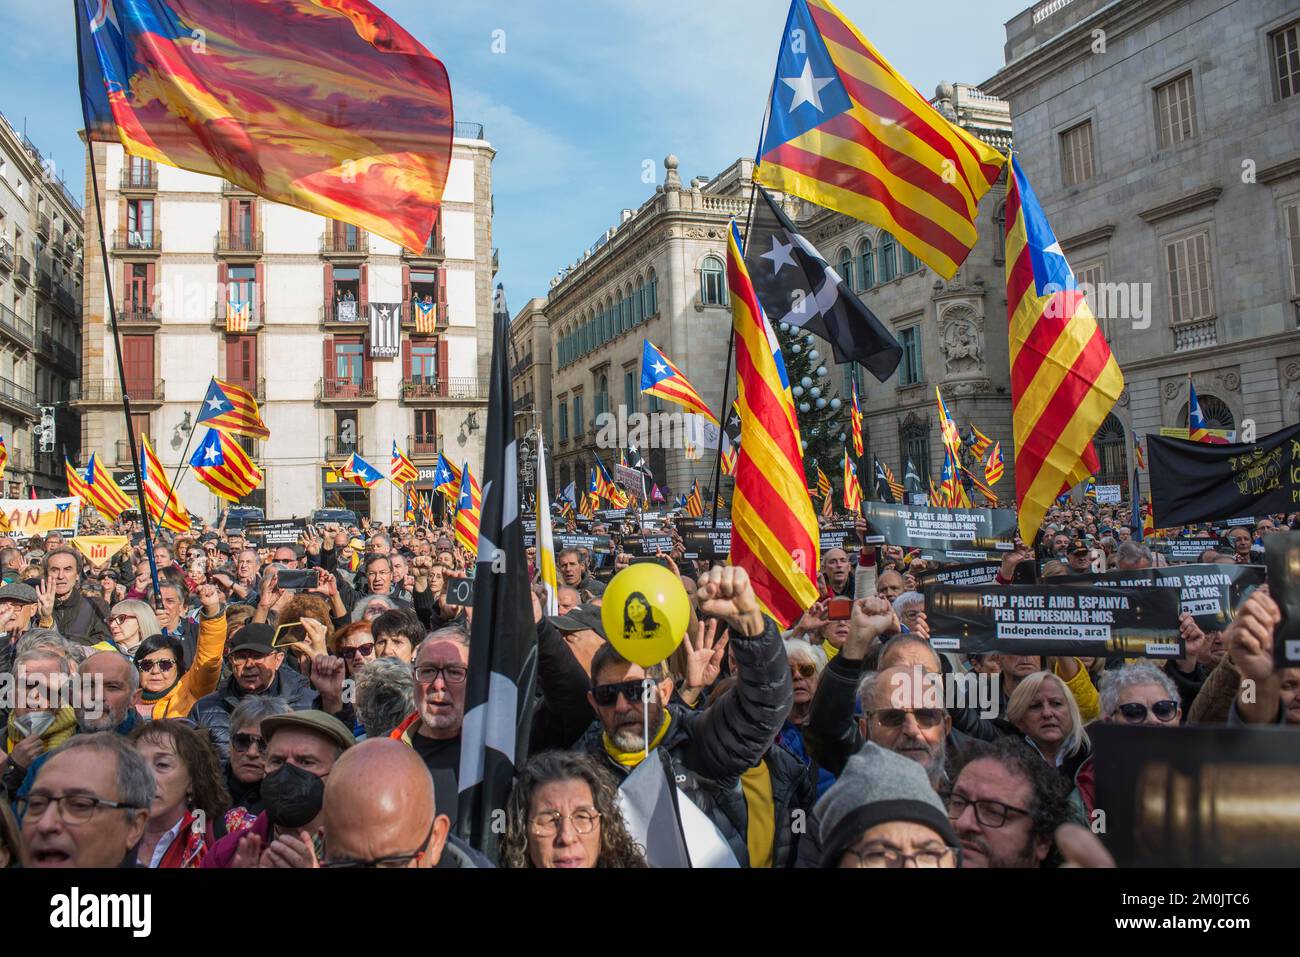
[(63, 727), (630, 759)]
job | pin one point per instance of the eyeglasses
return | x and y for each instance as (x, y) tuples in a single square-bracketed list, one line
[(365, 651), (163, 666), (988, 813), (392, 861), (1135, 712), (607, 695), (803, 669), (242, 742), (121, 619), (888, 856), (72, 808), (894, 717), (452, 674), (547, 824)]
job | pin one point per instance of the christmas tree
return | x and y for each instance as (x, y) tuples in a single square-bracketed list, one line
[(823, 414)]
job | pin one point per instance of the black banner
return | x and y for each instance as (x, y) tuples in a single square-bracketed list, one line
[(707, 544), (685, 525), (645, 546), (970, 573), (840, 534), (596, 544), (1187, 550), (1197, 482), (1208, 593), (276, 531), (1282, 559), (944, 530), (1050, 620)]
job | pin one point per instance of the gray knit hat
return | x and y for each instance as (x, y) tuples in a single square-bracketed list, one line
[(877, 786)]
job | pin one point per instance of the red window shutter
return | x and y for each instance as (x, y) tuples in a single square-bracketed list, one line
[(128, 293), (442, 285), (442, 366), (232, 210), (223, 289), (250, 361), (367, 364), (406, 289), (328, 343), (261, 291), (329, 291), (256, 217), (363, 295), (149, 282), (406, 360)]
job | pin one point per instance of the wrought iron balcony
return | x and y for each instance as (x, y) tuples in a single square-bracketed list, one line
[(342, 245), (432, 389), (336, 448), (422, 446), (135, 178), (109, 391), (17, 328), (346, 389), (137, 241), (239, 244), (18, 398)]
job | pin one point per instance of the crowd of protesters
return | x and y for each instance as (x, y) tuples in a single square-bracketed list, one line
[(226, 720)]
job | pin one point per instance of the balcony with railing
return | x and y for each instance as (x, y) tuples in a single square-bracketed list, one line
[(1198, 334), (17, 398), (426, 389), (6, 254), (347, 389), (239, 244), (139, 179), (56, 352), (345, 313), (24, 271), (468, 131), (411, 311), (17, 328), (435, 250), (337, 448), (43, 225), (44, 280), (422, 446), (257, 389), (137, 241), (233, 189), (109, 392), (66, 301), (342, 245), (138, 314), (219, 318)]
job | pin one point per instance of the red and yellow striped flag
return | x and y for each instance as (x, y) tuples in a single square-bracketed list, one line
[(846, 131), (165, 506), (774, 533), (993, 468), (468, 509), (222, 465), (694, 503), (855, 421), (1064, 380), (823, 483), (852, 490)]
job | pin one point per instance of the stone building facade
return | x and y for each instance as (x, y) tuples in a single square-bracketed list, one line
[(184, 246), (1162, 138)]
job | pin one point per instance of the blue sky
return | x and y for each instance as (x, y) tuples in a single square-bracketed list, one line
[(584, 93)]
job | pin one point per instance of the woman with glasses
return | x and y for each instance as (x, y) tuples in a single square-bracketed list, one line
[(1045, 712), (189, 797), (247, 765), (131, 622), (355, 644), (562, 813), (167, 689), (807, 662)]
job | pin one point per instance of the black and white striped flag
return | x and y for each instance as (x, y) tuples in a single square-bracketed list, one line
[(385, 330), (503, 642)]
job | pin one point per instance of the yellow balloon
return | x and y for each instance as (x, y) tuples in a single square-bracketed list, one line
[(645, 612)]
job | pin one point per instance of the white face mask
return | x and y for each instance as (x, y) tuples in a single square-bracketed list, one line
[(34, 723)]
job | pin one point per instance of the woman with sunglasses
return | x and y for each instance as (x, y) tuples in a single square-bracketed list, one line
[(131, 622), (807, 662), (247, 765), (167, 689), (1138, 694), (189, 797), (355, 644), (563, 813)]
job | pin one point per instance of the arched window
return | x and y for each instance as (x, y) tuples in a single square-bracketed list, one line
[(846, 267), (866, 264), (1111, 452), (626, 323), (909, 263), (651, 295), (638, 302), (602, 395), (914, 440), (1000, 233), (713, 282), (887, 265), (1216, 412)]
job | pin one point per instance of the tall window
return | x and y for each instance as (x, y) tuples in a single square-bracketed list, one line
[(241, 361), (1076, 154), (651, 297), (629, 391), (908, 263), (1175, 111), (241, 284), (579, 423), (137, 361), (851, 378), (139, 223), (349, 361), (846, 267), (887, 265), (139, 171), (564, 421), (909, 370), (602, 395), (424, 363), (1285, 46), (425, 440), (638, 302), (866, 264), (713, 282), (1000, 237), (914, 439), (1187, 262), (1111, 449), (1291, 222), (1089, 278), (138, 294)]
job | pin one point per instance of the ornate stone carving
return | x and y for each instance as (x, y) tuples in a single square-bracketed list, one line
[(961, 341), (1291, 370), (1230, 381), (1122, 401), (1172, 389)]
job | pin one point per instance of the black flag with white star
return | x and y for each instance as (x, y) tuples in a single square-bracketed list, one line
[(503, 640), (796, 285)]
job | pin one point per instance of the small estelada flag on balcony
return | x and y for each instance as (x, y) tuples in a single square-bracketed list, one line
[(231, 409), (238, 315), (425, 315)]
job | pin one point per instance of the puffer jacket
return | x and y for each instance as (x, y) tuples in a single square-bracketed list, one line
[(213, 711), (709, 750), (793, 796)]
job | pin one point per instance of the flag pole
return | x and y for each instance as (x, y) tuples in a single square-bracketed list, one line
[(112, 315), (180, 467)]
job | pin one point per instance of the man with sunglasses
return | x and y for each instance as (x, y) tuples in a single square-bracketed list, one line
[(708, 751)]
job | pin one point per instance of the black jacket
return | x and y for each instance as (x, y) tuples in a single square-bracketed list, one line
[(794, 791), (82, 620), (561, 711), (212, 711), (709, 750)]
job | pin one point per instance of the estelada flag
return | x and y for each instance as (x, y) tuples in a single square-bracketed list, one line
[(468, 508), (222, 465), (232, 409), (327, 105), (402, 471)]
